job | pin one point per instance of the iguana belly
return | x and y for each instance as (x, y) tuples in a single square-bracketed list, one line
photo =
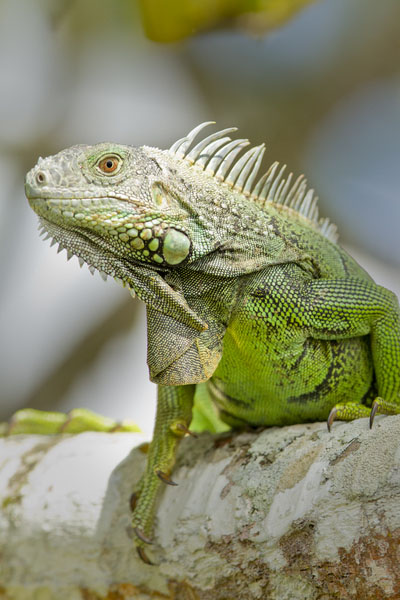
[(289, 381)]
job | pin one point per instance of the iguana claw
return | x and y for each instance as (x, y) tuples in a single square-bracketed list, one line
[(165, 478), (331, 418), (374, 410), (133, 501), (184, 429), (143, 556), (142, 536)]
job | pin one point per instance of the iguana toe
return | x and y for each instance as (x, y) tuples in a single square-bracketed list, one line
[(143, 556), (383, 407), (182, 428), (142, 536), (165, 478), (347, 412)]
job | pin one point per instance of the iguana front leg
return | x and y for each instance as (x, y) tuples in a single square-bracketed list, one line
[(174, 413)]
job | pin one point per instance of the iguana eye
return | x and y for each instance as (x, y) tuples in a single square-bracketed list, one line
[(109, 164)]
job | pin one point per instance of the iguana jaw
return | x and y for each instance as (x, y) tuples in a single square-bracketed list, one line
[(125, 230), (143, 280), (95, 253)]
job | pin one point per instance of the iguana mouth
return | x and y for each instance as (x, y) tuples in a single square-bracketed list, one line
[(79, 197), (73, 202)]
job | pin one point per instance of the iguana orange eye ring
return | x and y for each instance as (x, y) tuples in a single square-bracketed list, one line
[(109, 164)]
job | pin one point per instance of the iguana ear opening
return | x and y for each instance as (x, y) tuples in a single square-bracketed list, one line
[(163, 199)]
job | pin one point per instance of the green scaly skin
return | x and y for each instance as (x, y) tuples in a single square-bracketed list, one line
[(251, 303)]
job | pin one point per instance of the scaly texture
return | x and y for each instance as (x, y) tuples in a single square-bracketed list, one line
[(250, 301)]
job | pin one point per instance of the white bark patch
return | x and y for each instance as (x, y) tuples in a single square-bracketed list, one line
[(290, 512)]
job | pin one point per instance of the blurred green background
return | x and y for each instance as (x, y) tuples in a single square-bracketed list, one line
[(321, 86)]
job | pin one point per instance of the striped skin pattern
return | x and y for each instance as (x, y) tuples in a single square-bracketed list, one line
[(251, 303)]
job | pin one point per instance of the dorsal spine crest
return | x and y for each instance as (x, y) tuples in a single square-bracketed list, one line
[(218, 156)]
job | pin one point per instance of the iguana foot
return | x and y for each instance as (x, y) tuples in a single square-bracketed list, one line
[(141, 539), (32, 421), (143, 503), (347, 412), (351, 410)]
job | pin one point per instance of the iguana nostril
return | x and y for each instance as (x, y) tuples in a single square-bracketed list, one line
[(40, 178)]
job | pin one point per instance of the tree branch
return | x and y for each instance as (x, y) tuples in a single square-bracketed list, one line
[(289, 512)]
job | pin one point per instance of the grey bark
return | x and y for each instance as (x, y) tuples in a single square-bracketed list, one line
[(291, 513)]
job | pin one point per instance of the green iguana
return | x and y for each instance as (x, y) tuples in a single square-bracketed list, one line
[(247, 291)]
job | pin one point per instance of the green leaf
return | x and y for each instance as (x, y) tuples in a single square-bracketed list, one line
[(172, 20), (205, 415)]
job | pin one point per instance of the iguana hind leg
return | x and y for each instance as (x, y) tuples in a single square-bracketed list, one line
[(348, 308)]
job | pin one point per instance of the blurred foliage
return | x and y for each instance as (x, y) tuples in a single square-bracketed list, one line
[(172, 20), (205, 414)]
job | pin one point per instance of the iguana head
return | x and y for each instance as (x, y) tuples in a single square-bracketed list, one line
[(111, 201), (119, 208)]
